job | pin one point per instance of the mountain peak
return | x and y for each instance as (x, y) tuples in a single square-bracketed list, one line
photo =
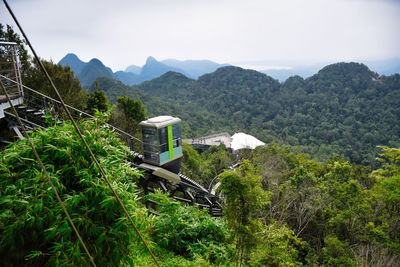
[(134, 69), (154, 68), (173, 75), (151, 60), (71, 56), (194, 68), (344, 68), (73, 62), (96, 61), (95, 68)]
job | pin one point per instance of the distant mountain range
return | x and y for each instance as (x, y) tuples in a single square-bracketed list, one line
[(383, 67), (87, 72), (302, 71)]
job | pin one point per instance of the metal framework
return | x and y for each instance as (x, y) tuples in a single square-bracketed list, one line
[(10, 67), (10, 71)]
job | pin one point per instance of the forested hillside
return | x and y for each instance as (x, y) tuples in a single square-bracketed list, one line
[(158, 105), (288, 210), (345, 109), (280, 207)]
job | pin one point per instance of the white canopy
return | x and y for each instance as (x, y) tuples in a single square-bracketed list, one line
[(242, 140)]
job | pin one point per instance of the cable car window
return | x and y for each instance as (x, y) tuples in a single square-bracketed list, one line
[(150, 144), (176, 135), (150, 139), (163, 134)]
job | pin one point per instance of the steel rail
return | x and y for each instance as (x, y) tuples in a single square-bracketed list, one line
[(26, 121)]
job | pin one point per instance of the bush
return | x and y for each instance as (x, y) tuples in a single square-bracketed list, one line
[(33, 227), (191, 232), (278, 246), (336, 252)]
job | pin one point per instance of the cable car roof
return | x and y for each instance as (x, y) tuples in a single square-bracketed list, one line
[(160, 122)]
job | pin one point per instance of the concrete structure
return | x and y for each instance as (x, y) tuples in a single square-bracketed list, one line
[(211, 140), (15, 100)]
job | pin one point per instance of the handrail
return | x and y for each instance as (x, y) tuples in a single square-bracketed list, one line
[(75, 109), (26, 121)]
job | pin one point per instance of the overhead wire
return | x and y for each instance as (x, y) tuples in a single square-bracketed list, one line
[(80, 134)]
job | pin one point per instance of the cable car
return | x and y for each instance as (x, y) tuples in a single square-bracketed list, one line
[(162, 142)]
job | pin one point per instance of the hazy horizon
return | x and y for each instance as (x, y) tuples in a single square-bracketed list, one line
[(257, 33)]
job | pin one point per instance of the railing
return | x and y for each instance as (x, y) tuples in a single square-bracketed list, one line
[(9, 67), (40, 103)]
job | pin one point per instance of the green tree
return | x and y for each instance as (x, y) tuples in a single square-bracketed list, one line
[(63, 77), (97, 100), (244, 198), (390, 159), (190, 232), (127, 115), (7, 34), (194, 166), (278, 246), (218, 158), (337, 253)]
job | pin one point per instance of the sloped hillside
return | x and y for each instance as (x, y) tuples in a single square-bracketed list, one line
[(344, 109)]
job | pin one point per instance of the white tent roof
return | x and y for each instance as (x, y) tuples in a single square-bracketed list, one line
[(242, 140)]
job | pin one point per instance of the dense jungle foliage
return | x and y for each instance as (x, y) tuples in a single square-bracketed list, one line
[(285, 209), (281, 208), (34, 230), (344, 110)]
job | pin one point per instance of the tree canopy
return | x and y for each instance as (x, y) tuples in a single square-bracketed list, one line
[(344, 110)]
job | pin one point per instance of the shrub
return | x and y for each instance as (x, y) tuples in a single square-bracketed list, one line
[(191, 232), (33, 227)]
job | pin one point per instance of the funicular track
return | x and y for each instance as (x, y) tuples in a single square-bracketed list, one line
[(37, 111)]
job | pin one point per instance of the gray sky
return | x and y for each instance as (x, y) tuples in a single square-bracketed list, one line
[(246, 32)]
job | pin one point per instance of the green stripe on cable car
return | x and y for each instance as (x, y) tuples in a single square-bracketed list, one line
[(170, 142)]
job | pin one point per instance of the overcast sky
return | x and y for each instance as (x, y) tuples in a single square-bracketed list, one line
[(246, 32)]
